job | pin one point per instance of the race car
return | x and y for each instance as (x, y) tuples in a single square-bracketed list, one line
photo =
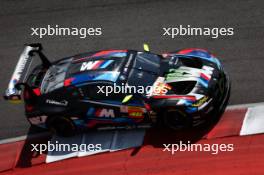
[(119, 89)]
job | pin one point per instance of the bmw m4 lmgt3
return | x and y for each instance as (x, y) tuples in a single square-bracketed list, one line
[(63, 95)]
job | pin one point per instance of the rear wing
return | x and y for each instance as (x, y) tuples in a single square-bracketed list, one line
[(13, 92)]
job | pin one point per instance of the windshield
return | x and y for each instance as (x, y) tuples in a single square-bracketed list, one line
[(148, 62), (145, 70)]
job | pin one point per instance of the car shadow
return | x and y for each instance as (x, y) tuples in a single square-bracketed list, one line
[(156, 137), (159, 136), (29, 157)]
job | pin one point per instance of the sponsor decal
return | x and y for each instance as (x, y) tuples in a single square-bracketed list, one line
[(101, 112), (200, 102), (133, 111), (98, 64), (24, 58), (203, 76), (135, 114), (88, 65), (59, 103), (159, 87)]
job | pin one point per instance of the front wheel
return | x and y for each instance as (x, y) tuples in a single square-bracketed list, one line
[(176, 119)]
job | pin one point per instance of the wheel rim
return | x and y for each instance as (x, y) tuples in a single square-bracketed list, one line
[(175, 119)]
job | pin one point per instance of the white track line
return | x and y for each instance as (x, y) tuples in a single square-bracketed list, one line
[(24, 137), (20, 138), (244, 105), (254, 121)]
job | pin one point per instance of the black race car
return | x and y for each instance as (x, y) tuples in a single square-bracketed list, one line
[(120, 88)]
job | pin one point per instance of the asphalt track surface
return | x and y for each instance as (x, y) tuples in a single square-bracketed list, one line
[(127, 24)]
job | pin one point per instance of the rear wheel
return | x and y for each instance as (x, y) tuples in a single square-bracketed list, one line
[(62, 126)]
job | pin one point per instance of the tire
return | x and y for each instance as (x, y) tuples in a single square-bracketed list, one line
[(62, 126), (176, 120), (218, 112)]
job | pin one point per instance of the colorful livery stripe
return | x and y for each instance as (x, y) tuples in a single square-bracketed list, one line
[(107, 52), (106, 63), (206, 77), (180, 97), (114, 53)]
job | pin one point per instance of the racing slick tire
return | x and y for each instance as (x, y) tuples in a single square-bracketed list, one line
[(175, 119), (219, 107), (217, 113), (62, 126)]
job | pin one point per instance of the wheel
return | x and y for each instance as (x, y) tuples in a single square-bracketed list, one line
[(62, 126), (176, 119), (221, 105)]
